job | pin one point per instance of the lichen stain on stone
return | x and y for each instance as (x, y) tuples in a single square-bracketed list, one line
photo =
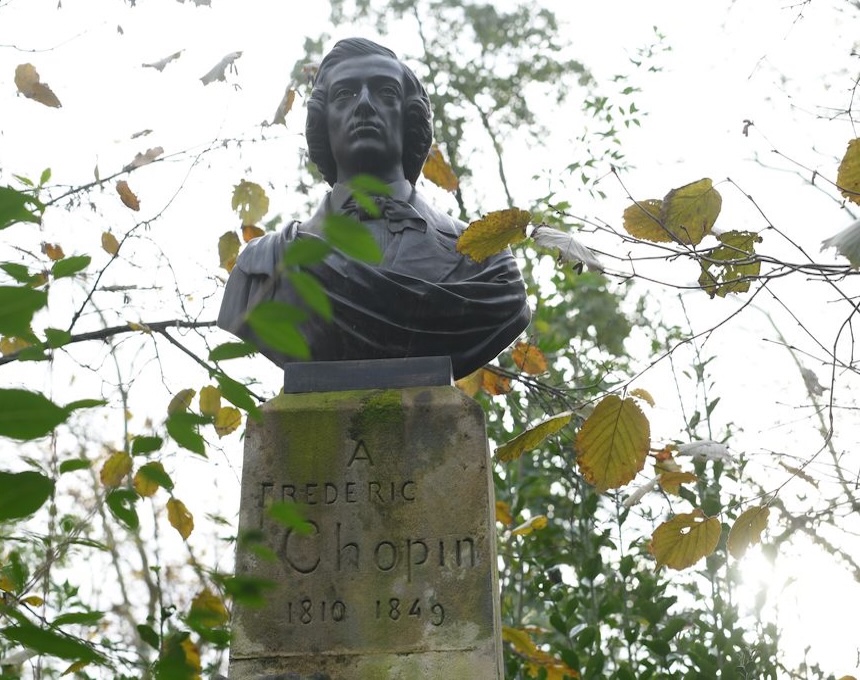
[(380, 409)]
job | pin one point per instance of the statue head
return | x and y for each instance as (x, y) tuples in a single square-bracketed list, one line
[(417, 124)]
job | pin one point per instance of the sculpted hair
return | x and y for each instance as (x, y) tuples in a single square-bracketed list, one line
[(418, 117)]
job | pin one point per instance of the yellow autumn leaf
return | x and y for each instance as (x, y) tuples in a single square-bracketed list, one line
[(6, 584), (75, 667), (671, 481), (529, 359), (228, 249), (227, 420), (644, 395), (731, 266), (192, 656), (250, 232), (535, 523), (208, 610), (848, 175), (109, 243), (531, 438), (145, 480), (115, 468), (747, 530), (30, 85), (471, 383), (495, 383), (613, 443), (493, 233), (179, 517), (536, 659), (12, 345), (642, 220), (690, 211), (210, 400), (519, 639), (180, 401), (685, 539), (33, 600), (437, 170), (127, 196), (250, 201), (54, 251), (503, 513)]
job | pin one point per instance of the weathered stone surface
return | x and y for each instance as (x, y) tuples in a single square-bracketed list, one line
[(397, 577)]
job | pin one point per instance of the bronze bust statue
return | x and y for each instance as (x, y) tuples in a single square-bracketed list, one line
[(369, 114)]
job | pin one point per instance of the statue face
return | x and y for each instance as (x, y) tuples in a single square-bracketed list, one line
[(365, 117)]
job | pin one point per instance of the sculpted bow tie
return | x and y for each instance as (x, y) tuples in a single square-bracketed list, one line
[(398, 215)]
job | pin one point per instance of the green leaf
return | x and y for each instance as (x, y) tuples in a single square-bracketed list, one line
[(288, 514), (312, 292), (532, 437), (23, 493), (69, 266), (154, 472), (248, 590), (18, 207), (57, 337), (149, 636), (182, 426), (239, 395), (144, 445), (28, 415), (84, 403), (121, 503), (275, 323), (352, 238), (17, 271), (231, 350), (17, 306), (305, 251), (80, 618), (50, 643), (369, 184), (45, 177), (74, 464)]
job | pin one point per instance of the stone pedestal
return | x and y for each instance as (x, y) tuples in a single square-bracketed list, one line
[(394, 577)]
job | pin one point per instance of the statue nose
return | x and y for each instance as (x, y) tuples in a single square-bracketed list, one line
[(364, 98)]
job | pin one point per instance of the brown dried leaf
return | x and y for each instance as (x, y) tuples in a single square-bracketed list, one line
[(644, 395), (529, 359), (493, 233), (250, 232), (127, 195), (109, 243), (54, 251), (28, 83), (284, 107), (141, 159), (437, 170), (495, 384), (471, 383)]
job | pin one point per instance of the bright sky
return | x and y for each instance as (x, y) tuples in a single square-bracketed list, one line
[(726, 64)]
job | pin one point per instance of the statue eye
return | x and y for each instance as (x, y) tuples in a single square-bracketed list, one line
[(343, 93), (389, 92)]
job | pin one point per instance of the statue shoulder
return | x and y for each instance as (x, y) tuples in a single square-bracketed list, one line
[(262, 255), (441, 220)]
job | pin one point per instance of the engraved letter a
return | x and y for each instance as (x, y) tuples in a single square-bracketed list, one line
[(360, 449)]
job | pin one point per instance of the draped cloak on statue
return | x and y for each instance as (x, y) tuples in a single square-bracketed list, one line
[(423, 299)]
